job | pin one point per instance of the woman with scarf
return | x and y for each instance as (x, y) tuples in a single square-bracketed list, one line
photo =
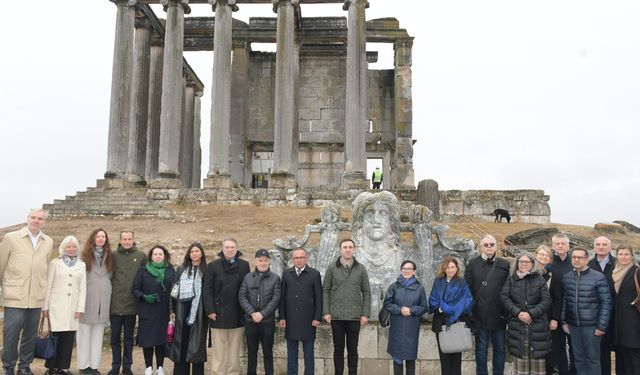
[(97, 257), (527, 301), (64, 302), (626, 319), (406, 301), (450, 302), (152, 287), (188, 350)]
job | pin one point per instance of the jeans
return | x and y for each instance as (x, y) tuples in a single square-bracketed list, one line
[(349, 331), (122, 356), (19, 324), (292, 357), (497, 338), (586, 349), (559, 342), (261, 333)]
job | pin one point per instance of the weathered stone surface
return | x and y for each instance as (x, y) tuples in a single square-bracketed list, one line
[(429, 196), (628, 226), (531, 236), (609, 228)]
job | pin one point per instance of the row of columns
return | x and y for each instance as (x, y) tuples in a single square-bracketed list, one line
[(154, 134)]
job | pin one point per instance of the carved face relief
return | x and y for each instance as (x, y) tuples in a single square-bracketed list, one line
[(377, 221)]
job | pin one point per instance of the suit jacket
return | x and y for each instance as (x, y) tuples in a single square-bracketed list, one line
[(23, 270), (301, 303)]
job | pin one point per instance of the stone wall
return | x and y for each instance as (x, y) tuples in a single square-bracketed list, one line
[(372, 351)]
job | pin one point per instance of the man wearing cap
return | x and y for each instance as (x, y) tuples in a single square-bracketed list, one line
[(259, 297)]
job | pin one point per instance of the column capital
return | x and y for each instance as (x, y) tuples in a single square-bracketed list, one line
[(239, 43), (175, 3), (279, 3), (230, 3), (157, 40), (403, 43), (347, 3), (142, 22), (125, 2)]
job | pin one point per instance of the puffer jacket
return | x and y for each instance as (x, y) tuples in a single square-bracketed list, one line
[(529, 294), (260, 292), (587, 299)]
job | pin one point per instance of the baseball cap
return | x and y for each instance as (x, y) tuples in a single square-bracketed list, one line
[(263, 253)]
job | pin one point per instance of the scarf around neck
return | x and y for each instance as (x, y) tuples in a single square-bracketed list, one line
[(618, 274), (69, 261), (156, 269)]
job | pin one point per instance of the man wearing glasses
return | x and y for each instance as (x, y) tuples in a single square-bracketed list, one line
[(586, 308), (485, 275)]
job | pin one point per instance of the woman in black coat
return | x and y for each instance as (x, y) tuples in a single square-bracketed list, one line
[(526, 300), (626, 334), (188, 350), (406, 301), (152, 287)]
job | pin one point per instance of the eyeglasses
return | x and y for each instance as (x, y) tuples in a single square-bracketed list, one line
[(489, 244), (299, 258), (406, 269), (524, 261)]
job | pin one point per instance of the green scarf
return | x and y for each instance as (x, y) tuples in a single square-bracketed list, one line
[(157, 271)]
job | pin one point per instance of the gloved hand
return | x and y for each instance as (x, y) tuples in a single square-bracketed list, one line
[(150, 298)]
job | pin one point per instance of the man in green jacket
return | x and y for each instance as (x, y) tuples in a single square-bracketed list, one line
[(127, 260), (347, 305)]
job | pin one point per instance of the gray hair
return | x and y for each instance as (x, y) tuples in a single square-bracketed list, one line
[(45, 212), (562, 236), (514, 266), (69, 240)]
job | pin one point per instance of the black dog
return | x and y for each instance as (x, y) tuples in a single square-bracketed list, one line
[(501, 213)]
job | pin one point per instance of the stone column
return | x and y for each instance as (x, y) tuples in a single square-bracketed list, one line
[(402, 176), (355, 157), (171, 102), (139, 102), (153, 116), (239, 92), (285, 135), (219, 163), (197, 150), (117, 152), (186, 136)]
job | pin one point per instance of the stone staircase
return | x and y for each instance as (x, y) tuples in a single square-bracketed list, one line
[(106, 200)]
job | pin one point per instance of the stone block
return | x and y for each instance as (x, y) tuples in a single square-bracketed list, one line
[(383, 341), (375, 367), (310, 114), (610, 228), (427, 347), (332, 114), (368, 341)]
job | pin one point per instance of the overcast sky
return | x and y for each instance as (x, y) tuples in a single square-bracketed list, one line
[(507, 95)]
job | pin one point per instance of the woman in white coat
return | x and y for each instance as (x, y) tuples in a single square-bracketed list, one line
[(64, 302)]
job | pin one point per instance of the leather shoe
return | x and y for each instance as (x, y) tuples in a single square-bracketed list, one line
[(64, 372), (114, 372)]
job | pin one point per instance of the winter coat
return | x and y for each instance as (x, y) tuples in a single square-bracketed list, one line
[(23, 271), (220, 293), (529, 294), (260, 292), (626, 334), (558, 269), (448, 301), (346, 296), (65, 294), (404, 331), (607, 339), (125, 266), (488, 312), (608, 269), (586, 299), (153, 318), (98, 295), (301, 303), (196, 347)]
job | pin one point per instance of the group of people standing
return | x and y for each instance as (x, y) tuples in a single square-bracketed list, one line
[(541, 306)]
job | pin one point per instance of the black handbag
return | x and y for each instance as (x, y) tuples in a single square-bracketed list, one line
[(46, 344), (384, 317)]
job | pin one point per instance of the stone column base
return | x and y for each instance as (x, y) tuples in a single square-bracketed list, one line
[(116, 183), (282, 180), (354, 180), (166, 183), (217, 181), (136, 180)]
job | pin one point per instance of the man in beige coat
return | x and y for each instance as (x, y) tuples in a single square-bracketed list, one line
[(24, 255)]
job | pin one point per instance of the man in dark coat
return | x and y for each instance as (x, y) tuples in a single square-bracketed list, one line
[(486, 274), (260, 297), (560, 265), (586, 309), (604, 262), (222, 281), (300, 310)]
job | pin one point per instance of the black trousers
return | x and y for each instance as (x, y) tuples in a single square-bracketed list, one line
[(148, 355), (122, 355), (62, 359), (259, 334), (345, 331), (450, 363), (629, 360), (183, 367)]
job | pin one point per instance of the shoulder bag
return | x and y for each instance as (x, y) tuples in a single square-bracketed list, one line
[(384, 316), (636, 302), (455, 338), (46, 344)]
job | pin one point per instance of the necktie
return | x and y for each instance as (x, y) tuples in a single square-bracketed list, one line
[(298, 271)]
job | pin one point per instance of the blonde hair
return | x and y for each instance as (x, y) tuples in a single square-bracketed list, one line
[(69, 240)]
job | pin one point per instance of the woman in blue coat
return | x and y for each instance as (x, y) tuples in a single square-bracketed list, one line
[(406, 301), (152, 289), (450, 302)]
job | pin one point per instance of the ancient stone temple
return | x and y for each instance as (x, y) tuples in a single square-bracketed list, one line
[(308, 115)]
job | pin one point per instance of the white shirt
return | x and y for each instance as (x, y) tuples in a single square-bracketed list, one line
[(34, 239)]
